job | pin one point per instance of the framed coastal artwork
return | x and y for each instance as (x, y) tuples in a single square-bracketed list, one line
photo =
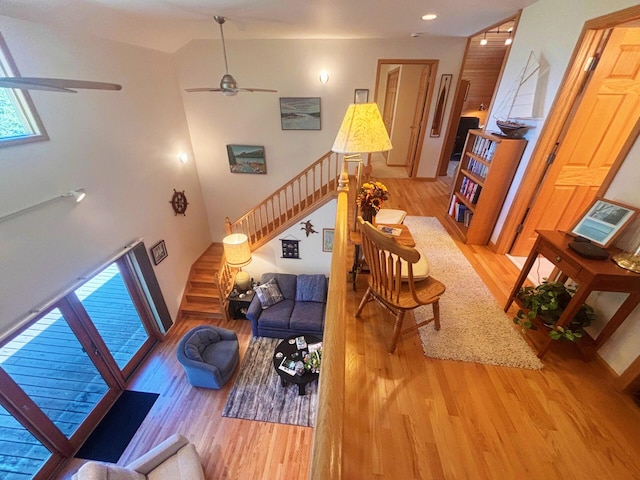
[(300, 113), (603, 221), (246, 159), (327, 239)]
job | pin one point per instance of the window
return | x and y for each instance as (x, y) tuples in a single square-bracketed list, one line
[(19, 121)]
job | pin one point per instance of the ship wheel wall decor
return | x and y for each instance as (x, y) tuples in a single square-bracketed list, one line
[(179, 202)]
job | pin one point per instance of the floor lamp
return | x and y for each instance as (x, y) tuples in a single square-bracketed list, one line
[(362, 131)]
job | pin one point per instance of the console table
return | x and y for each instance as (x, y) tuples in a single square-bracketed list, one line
[(590, 275)]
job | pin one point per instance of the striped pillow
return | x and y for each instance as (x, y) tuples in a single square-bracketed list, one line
[(269, 293)]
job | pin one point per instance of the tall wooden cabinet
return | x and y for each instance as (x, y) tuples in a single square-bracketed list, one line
[(487, 166)]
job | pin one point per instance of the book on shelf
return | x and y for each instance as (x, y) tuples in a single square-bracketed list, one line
[(468, 215), (390, 230)]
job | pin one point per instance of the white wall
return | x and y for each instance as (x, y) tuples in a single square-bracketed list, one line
[(121, 146), (551, 29), (291, 67)]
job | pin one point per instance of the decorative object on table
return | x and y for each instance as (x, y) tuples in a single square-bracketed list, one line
[(237, 255), (327, 239), (441, 105), (520, 101), (246, 159), (290, 248), (361, 95), (630, 260), (313, 357), (159, 252), (476, 329), (228, 84), (547, 301), (179, 202), (603, 221), (371, 196), (300, 113), (308, 227)]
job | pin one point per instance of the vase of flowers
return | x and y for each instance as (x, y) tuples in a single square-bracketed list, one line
[(371, 196)]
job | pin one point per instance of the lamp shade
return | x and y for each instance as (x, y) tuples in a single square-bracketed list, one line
[(236, 250), (362, 131)]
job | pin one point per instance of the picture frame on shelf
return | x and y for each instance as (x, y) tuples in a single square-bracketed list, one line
[(300, 113), (361, 95), (327, 239), (603, 221), (247, 159), (441, 104), (159, 252)]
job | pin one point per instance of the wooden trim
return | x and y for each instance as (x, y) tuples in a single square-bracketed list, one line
[(551, 133), (629, 381), (328, 435)]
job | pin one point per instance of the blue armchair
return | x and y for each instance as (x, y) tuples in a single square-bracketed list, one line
[(209, 355)]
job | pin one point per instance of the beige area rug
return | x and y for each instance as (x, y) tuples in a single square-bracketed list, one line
[(474, 328)]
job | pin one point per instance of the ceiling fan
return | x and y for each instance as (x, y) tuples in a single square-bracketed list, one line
[(54, 84), (228, 84)]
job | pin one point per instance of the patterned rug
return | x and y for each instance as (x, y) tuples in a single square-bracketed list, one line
[(474, 328), (257, 393)]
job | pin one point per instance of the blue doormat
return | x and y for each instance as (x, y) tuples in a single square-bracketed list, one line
[(112, 435)]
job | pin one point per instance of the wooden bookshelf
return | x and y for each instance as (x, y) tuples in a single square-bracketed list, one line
[(487, 166)]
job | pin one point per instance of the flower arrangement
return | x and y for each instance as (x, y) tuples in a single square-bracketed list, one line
[(312, 360), (371, 197)]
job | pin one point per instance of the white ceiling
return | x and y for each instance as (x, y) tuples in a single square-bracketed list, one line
[(169, 24)]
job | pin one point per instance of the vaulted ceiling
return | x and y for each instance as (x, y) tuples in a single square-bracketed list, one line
[(169, 24)]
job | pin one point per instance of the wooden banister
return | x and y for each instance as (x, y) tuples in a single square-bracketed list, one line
[(328, 435), (314, 186)]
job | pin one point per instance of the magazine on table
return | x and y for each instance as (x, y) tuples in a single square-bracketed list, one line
[(288, 366), (301, 343), (314, 347), (390, 230)]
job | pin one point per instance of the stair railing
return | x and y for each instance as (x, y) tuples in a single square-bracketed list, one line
[(315, 184)]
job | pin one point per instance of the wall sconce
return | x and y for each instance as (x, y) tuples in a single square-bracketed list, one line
[(183, 157), (237, 255), (324, 77)]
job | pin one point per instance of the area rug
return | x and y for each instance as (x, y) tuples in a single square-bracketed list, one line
[(257, 393), (474, 328), (112, 435)]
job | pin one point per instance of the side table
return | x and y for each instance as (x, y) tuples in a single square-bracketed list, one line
[(590, 275), (238, 305), (287, 349)]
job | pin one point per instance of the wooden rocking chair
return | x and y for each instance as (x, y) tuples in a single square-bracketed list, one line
[(392, 282)]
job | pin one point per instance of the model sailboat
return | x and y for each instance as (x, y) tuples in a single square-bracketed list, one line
[(519, 101)]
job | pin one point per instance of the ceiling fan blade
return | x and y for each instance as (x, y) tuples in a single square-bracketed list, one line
[(204, 89), (257, 90), (55, 84)]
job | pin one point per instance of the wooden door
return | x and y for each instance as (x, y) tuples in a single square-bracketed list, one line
[(390, 101), (600, 126), (418, 120)]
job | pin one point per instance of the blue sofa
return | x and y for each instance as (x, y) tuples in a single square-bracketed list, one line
[(301, 312)]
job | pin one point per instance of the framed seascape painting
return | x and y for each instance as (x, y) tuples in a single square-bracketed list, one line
[(246, 159), (327, 239), (361, 95), (603, 221), (300, 113)]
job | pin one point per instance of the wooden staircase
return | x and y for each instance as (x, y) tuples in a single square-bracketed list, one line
[(211, 279), (202, 297)]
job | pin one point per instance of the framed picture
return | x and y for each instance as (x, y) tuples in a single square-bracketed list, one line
[(603, 221), (361, 95), (290, 248), (443, 94), (159, 252), (300, 113), (327, 239), (246, 159)]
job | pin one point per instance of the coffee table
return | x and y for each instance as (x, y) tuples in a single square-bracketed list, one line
[(288, 348)]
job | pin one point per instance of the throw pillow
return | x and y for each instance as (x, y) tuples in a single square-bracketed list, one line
[(269, 293), (311, 288)]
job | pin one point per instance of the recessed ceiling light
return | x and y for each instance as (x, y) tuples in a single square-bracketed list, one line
[(429, 16)]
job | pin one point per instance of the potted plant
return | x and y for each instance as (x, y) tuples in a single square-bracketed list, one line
[(547, 301)]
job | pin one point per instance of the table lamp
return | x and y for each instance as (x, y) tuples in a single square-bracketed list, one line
[(237, 255)]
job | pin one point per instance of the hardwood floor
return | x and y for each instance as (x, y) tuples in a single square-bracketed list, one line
[(409, 416)]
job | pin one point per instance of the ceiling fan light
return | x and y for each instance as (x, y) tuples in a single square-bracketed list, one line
[(230, 93)]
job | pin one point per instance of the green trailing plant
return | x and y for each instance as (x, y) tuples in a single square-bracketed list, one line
[(547, 301)]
